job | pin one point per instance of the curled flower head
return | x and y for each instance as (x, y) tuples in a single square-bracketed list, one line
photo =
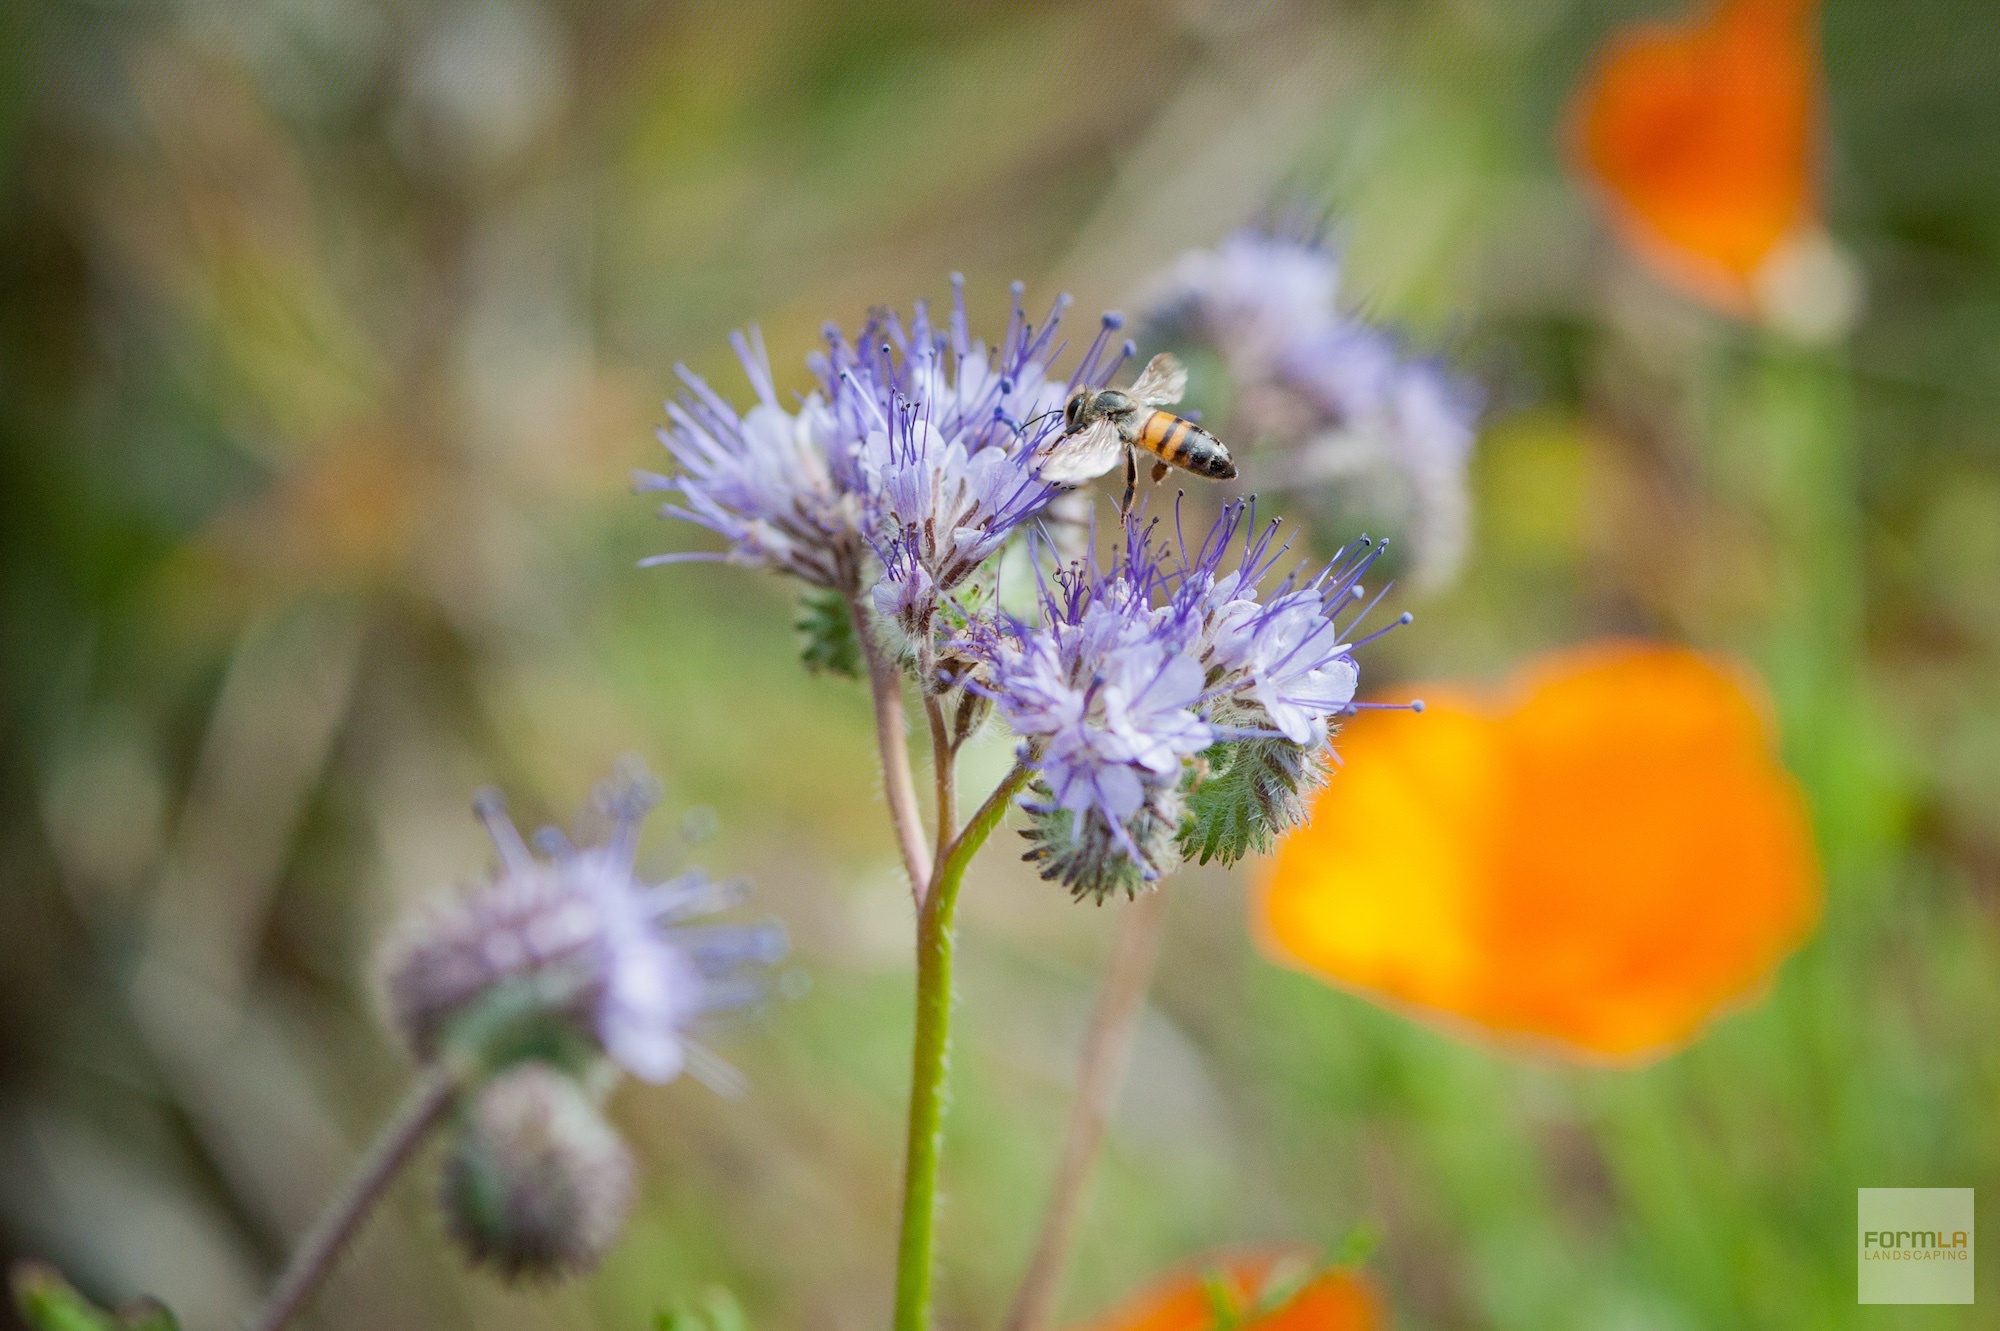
[(1330, 397), (904, 470), (579, 938), (1172, 654), (1107, 695)]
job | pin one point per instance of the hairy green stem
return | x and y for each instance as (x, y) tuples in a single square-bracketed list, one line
[(426, 1103), (930, 1055)]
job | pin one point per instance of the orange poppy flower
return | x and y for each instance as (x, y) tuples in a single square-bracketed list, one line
[(1186, 1299), (1596, 863), (1702, 137)]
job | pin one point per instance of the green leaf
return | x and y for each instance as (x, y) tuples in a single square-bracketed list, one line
[(827, 627), (47, 1302), (1254, 791)]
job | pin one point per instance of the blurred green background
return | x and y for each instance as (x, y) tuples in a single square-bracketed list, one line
[(329, 331)]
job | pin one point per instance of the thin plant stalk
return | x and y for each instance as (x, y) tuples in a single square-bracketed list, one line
[(944, 770), (1107, 1048), (930, 1054), (426, 1102), (885, 686)]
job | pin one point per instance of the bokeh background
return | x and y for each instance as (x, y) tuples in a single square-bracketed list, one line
[(329, 333)]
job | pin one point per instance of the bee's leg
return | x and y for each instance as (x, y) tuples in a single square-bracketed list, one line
[(1159, 472), (1131, 481)]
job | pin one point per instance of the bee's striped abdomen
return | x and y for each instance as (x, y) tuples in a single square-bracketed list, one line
[(1185, 445)]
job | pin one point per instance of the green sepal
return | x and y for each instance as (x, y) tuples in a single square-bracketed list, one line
[(1248, 793), (1080, 852), (826, 627), (536, 1018)]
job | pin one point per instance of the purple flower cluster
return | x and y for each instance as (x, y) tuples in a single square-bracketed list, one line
[(1177, 702), (904, 470), (1133, 671), (578, 936), (1341, 393)]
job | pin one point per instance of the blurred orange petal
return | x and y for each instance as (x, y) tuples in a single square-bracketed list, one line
[(1333, 1300), (1701, 136), (1599, 863)]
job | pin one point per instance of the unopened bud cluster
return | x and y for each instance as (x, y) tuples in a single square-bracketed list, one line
[(538, 1184)]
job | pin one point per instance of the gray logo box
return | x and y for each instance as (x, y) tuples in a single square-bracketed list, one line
[(1915, 1245)]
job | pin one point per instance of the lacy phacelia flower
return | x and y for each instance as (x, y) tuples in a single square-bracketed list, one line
[(1107, 695), (577, 937), (1132, 673), (539, 1184), (915, 447), (1276, 663), (1337, 394), (775, 484), (1254, 296), (1403, 427), (943, 513)]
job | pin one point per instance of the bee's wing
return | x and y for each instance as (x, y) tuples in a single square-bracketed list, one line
[(1162, 382), (1075, 458)]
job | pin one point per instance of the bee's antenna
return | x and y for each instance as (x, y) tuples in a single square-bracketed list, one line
[(1022, 428)]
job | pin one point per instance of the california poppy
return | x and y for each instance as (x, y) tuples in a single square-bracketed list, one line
[(1269, 1289), (1597, 862), (1702, 138)]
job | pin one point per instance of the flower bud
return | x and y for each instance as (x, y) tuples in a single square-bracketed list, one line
[(538, 1185), (973, 709)]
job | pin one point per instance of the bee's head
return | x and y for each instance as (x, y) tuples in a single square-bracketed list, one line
[(1073, 410)]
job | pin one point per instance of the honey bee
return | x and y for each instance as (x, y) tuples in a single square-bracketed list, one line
[(1099, 427)]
